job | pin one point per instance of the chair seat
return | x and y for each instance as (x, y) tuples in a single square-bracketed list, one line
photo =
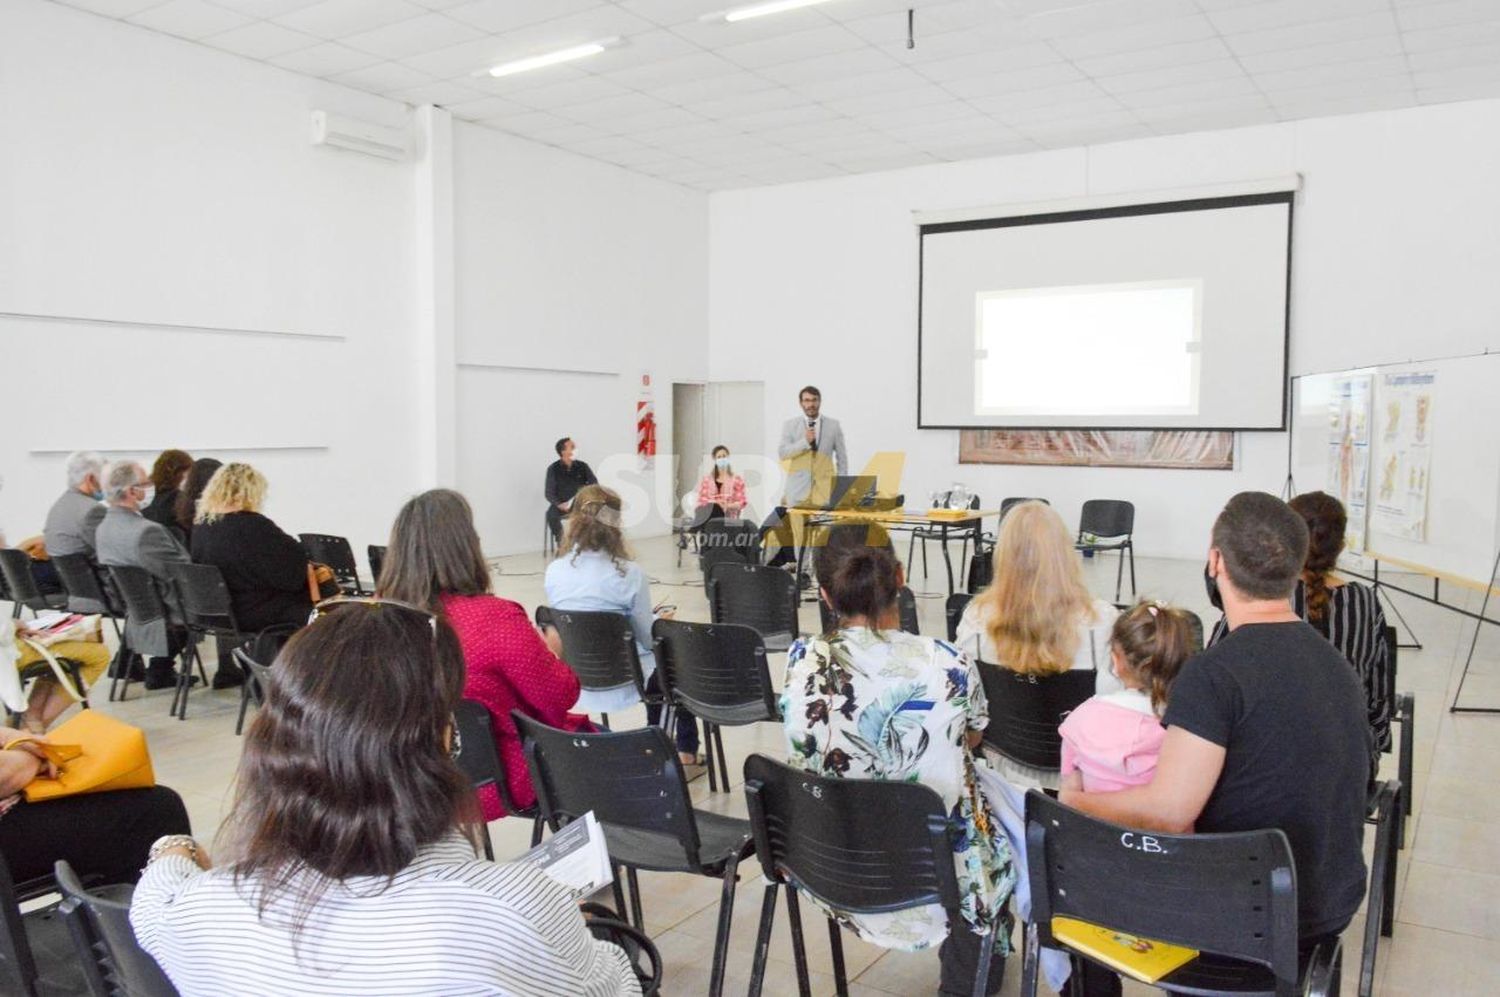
[(1097, 545), (719, 839), (1216, 974), (738, 715), (778, 641)]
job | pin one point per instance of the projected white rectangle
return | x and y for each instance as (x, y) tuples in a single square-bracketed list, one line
[(1109, 349)]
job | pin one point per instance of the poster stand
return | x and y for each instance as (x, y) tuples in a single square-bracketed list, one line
[(1455, 708)]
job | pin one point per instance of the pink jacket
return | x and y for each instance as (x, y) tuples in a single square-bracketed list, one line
[(729, 494), (1113, 741)]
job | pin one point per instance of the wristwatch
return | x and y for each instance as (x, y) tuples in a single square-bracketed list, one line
[(172, 841)]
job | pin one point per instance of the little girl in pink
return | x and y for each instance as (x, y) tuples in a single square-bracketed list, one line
[(1111, 741)]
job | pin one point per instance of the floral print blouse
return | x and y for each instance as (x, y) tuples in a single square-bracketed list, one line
[(893, 706)]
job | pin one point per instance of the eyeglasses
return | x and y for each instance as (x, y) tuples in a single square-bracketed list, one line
[(371, 600)]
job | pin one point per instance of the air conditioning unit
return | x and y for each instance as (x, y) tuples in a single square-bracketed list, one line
[(358, 136)]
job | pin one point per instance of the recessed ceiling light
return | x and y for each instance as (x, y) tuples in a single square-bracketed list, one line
[(553, 58), (770, 7)]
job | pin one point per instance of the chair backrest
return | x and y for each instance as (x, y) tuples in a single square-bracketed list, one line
[(1391, 651), (630, 779), (204, 598), (376, 556), (114, 963), (475, 752), (856, 844), (15, 565), (82, 579), (138, 589), (1007, 504), (334, 551), (738, 535), (716, 671), (757, 596), (258, 671), (599, 647), (1107, 518), (1195, 631), (1229, 894), (1025, 711), (953, 610), (17, 966), (906, 602)]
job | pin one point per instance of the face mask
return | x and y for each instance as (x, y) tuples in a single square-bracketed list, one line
[(97, 495), (1211, 585), (150, 493), (722, 463)]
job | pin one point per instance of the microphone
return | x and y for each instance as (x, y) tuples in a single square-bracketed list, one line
[(812, 424)]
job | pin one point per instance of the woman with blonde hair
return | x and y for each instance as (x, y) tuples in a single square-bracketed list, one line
[(264, 569), (1038, 617), (593, 572)]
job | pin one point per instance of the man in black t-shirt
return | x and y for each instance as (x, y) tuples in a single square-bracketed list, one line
[(565, 477), (1266, 728)]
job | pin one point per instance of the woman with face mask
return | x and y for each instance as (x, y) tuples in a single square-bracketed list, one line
[(721, 492)]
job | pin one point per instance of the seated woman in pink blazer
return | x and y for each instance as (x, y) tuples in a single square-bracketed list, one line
[(721, 493)]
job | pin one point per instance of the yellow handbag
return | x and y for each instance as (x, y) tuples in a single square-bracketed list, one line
[(94, 753)]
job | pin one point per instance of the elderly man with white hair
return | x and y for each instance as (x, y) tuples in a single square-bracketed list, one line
[(77, 513), (127, 539)]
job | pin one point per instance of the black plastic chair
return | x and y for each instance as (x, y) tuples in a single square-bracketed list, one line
[(21, 585), (1111, 523), (84, 582), (146, 609), (376, 555), (725, 541), (906, 602), (1380, 905), (718, 673), (476, 753), (600, 648), (633, 783), (254, 661), (857, 845), (757, 596), (953, 610), (1403, 711), (325, 548), (943, 535), (207, 611), (113, 962), (1233, 897), (1007, 504), (1025, 711), (36, 954), (607, 926)]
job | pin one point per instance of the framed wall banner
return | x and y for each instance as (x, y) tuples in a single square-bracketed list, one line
[(1185, 449)]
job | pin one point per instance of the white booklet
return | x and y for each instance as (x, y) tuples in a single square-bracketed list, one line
[(577, 857)]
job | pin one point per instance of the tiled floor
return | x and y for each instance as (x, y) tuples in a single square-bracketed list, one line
[(1447, 937)]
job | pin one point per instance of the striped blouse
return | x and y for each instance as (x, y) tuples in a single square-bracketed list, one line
[(1355, 624), (446, 924)]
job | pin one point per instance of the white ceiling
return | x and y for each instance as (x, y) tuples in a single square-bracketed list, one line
[(833, 90)]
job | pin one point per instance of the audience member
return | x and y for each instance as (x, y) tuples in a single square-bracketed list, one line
[(924, 698), (594, 572), (721, 493), (167, 476), (77, 513), (101, 835), (565, 476), (1111, 741), (187, 499), (127, 539), (434, 560), (1267, 728), (348, 870), (813, 452), (1037, 616), (20, 647), (1345, 612), (264, 569)]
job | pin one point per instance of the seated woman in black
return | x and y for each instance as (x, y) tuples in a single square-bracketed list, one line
[(265, 570)]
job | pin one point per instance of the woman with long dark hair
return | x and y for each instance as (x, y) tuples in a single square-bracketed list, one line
[(434, 560), (349, 870), (167, 476), (187, 499)]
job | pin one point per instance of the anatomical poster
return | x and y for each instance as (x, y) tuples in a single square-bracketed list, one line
[(1349, 452), (1403, 459)]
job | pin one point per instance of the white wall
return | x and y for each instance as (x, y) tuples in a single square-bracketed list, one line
[(148, 183), (1393, 253), (573, 277)]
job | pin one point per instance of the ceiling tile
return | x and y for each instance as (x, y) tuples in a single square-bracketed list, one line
[(564, 135), (894, 119), (1105, 15), (750, 103), (696, 91), (1444, 95), (1462, 76), (1346, 90), (464, 59), (1322, 55), (660, 118), (715, 34), (931, 21), (1336, 72), (783, 117), (605, 108), (571, 93), (666, 72), (446, 94), (1347, 105), (1342, 29), (192, 19), (527, 122), (261, 40), (1453, 58), (1441, 15), (1155, 79), (1227, 108), (1287, 13), (951, 44), (336, 19), (507, 15), (972, 127), (962, 148), (383, 77), (985, 63), (1065, 134), (1161, 57), (1041, 97), (261, 9), (878, 164), (895, 100), (681, 137), (840, 65), (487, 107), (1461, 36), (418, 35), (814, 130), (1013, 82), (114, 8), (326, 59), (1148, 34), (1099, 108), (609, 145), (789, 48), (1235, 86), (669, 12), (865, 85), (640, 49)]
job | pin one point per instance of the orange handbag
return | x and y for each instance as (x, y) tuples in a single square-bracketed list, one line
[(94, 753)]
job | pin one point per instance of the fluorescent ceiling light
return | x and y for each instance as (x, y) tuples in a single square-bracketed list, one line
[(553, 58), (772, 7)]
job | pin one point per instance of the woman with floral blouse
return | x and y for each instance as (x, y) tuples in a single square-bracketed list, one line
[(869, 701)]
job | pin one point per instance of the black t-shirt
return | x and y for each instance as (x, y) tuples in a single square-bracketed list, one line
[(564, 481), (1289, 712)]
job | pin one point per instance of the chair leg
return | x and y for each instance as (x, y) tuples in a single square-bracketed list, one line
[(536, 831), (637, 918), (1029, 958), (763, 939), (911, 549), (723, 761), (986, 955), (924, 559), (1130, 546), (1120, 574), (489, 848), (619, 891), (836, 946), (726, 918), (239, 724), (799, 949), (1406, 709), (708, 759)]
